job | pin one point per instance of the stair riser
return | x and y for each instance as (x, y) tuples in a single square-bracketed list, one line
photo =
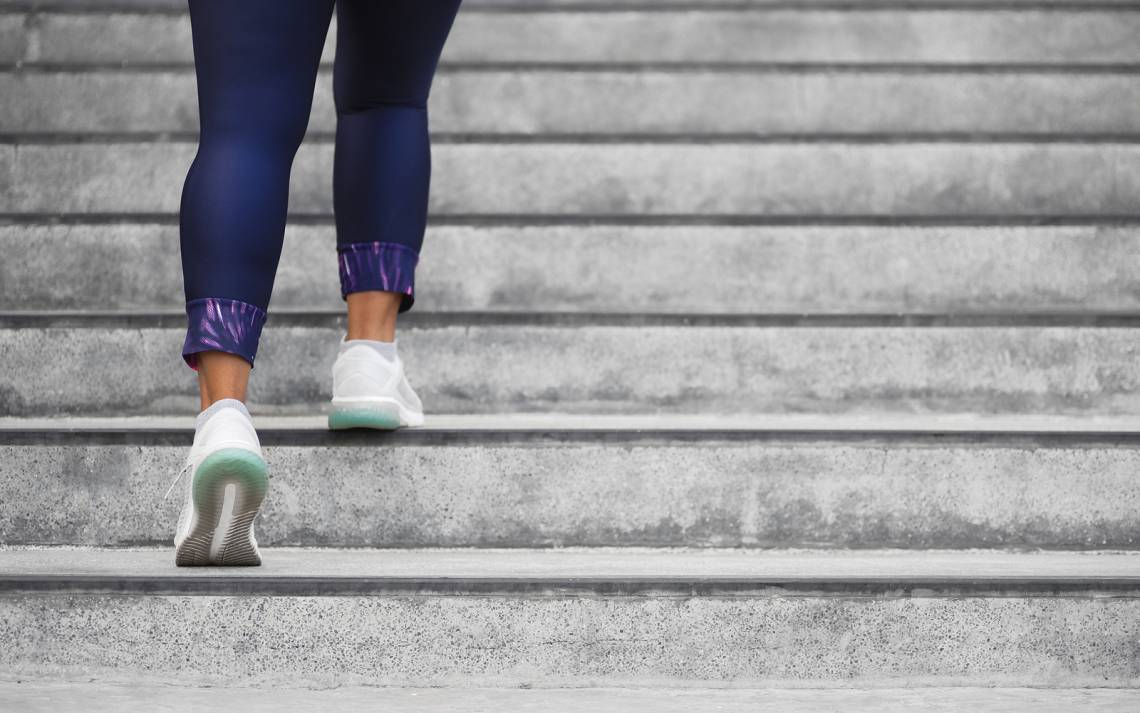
[(891, 493), (739, 270), (552, 640), (616, 369), (1032, 36), (832, 179), (179, 6), (628, 103)]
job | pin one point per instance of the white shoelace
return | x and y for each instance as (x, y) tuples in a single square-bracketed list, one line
[(178, 477)]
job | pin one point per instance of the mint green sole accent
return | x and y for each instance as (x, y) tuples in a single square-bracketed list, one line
[(247, 472), (382, 418)]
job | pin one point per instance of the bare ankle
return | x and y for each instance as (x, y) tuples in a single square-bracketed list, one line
[(222, 376), (372, 315)]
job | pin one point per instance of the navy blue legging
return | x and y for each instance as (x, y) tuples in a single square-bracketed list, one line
[(257, 62)]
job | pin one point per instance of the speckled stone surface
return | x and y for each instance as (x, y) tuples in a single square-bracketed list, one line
[(618, 570), (969, 179), (608, 369), (470, 617), (13, 38), (176, 6), (707, 492), (789, 36), (534, 101), (505, 641), (740, 270), (52, 697)]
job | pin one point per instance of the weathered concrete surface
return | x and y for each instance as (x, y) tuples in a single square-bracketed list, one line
[(1048, 37), (178, 6), (608, 369), (619, 571), (614, 268), (644, 101), (970, 179), (886, 491), (644, 426), (13, 39), (571, 641), (53, 697)]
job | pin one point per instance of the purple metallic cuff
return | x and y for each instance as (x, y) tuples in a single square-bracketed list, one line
[(390, 267), (221, 325)]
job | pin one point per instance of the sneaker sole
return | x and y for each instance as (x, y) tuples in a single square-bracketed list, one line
[(380, 417), (221, 535)]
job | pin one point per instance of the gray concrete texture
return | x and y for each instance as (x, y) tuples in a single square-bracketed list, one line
[(621, 572), (608, 369), (631, 102), (1032, 36), (570, 572), (887, 492), (819, 179), (616, 268), (13, 38), (179, 6), (452, 428), (550, 641), (53, 697)]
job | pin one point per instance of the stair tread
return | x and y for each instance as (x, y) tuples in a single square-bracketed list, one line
[(35, 696), (644, 564), (822, 423)]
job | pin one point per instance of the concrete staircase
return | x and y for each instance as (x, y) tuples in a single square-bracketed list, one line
[(770, 345)]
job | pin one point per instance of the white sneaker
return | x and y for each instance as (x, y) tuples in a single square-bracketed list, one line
[(224, 493), (371, 391)]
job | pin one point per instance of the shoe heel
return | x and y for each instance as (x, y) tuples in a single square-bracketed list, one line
[(248, 474)]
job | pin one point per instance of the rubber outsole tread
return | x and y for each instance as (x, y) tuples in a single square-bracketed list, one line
[(247, 472), (380, 417)]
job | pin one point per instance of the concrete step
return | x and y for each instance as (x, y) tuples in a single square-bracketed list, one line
[(641, 618), (177, 7), (54, 697), (1038, 36), (602, 178), (641, 268), (532, 480), (590, 363), (652, 101)]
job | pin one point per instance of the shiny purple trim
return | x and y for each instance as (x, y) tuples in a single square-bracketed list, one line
[(390, 267), (222, 325)]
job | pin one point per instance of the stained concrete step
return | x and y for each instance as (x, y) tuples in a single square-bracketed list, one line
[(53, 697), (177, 7), (646, 268), (644, 618), (651, 101), (603, 178), (534, 480), (593, 363), (1040, 36)]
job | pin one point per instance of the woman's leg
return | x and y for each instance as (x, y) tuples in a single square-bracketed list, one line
[(387, 53), (256, 62)]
